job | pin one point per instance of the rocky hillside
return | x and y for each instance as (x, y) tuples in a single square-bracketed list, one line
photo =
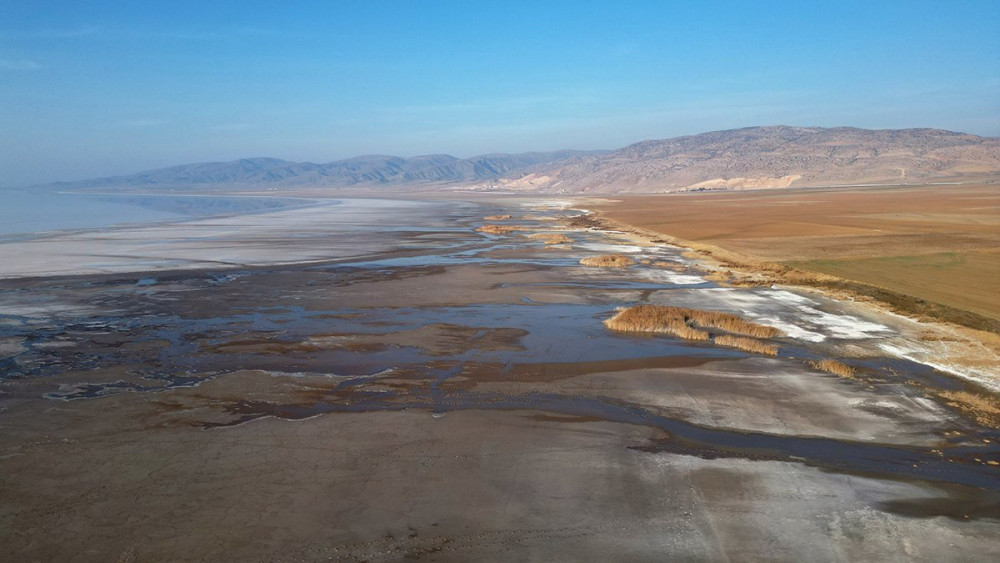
[(361, 171), (776, 156), (754, 157)]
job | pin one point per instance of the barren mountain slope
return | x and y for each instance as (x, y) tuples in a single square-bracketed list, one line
[(360, 171), (776, 156), (755, 157)]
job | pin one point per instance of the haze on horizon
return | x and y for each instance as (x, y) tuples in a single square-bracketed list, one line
[(112, 88)]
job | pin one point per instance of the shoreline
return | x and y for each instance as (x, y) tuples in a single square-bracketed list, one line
[(970, 354)]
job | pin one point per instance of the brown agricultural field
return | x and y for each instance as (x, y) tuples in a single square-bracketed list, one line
[(931, 250)]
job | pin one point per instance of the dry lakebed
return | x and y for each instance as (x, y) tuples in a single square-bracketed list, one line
[(377, 379)]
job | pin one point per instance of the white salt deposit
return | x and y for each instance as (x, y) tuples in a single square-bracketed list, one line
[(987, 377), (796, 315), (790, 330), (789, 297), (548, 204), (683, 279), (845, 326), (611, 248), (668, 277)]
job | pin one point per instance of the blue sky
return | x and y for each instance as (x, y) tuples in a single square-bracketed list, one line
[(100, 88)]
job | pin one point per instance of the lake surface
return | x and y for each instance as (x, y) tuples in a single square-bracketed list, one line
[(36, 211)]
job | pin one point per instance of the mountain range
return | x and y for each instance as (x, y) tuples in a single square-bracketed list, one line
[(753, 157)]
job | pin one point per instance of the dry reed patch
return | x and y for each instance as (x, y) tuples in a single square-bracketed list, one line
[(501, 229), (983, 407), (989, 339), (835, 367), (719, 276), (551, 238), (496, 217), (747, 344), (685, 323), (730, 323), (608, 261), (653, 318)]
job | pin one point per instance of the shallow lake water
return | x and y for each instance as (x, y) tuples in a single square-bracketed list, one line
[(24, 212)]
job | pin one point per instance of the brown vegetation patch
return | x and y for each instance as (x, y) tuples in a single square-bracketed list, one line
[(501, 229), (719, 276), (982, 406), (496, 217), (834, 367), (551, 238), (684, 323), (586, 221), (668, 265), (608, 261), (747, 344)]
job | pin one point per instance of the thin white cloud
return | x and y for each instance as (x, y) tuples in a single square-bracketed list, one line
[(19, 65)]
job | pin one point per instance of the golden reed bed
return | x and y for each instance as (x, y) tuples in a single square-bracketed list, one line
[(551, 238), (835, 367), (659, 318), (608, 261), (747, 344), (502, 229), (693, 324)]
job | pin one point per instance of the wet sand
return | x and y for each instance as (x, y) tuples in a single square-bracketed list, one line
[(430, 391)]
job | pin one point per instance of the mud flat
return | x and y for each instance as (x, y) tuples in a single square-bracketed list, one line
[(450, 393)]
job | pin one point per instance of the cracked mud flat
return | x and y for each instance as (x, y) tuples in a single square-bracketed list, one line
[(434, 392)]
